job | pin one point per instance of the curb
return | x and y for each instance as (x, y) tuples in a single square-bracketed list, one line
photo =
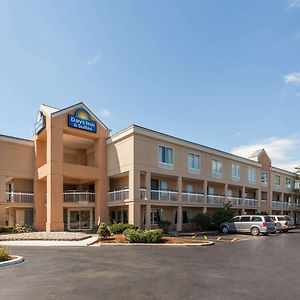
[(210, 243), (16, 260)]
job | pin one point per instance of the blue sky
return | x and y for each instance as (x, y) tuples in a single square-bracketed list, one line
[(225, 74)]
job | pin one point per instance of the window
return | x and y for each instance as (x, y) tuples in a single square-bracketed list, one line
[(189, 188), (194, 163), (288, 183), (297, 185), (235, 171), (186, 216), (277, 180), (156, 216), (165, 157), (264, 178), (245, 219), (210, 191), (256, 219), (235, 219), (217, 169), (163, 185), (251, 175)]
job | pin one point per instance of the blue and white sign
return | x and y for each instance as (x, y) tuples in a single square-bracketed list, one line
[(40, 123), (82, 120)]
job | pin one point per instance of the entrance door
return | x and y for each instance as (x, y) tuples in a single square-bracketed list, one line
[(79, 220)]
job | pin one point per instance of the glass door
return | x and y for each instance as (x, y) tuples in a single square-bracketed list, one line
[(79, 219), (85, 219), (74, 220)]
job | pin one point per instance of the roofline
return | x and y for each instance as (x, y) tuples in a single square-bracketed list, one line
[(62, 111), (175, 140), (279, 170), (17, 140)]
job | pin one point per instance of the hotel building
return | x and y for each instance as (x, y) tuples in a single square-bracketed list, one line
[(73, 174)]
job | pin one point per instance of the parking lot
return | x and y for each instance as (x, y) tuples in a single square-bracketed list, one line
[(264, 267)]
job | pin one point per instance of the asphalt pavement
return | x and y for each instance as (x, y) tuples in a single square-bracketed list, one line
[(258, 268)]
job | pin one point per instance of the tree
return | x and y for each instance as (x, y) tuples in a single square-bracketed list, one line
[(222, 215)]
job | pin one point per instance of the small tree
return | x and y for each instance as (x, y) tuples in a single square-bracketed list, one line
[(222, 214), (103, 231), (164, 225), (202, 221)]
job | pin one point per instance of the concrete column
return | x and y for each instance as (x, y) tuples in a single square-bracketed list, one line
[(40, 211), (134, 213), (226, 192), (148, 216), (244, 196), (179, 219), (148, 186), (55, 179), (179, 188), (2, 199), (205, 184), (134, 185), (282, 200), (102, 183), (11, 216), (259, 200)]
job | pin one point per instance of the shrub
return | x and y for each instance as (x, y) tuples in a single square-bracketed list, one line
[(164, 225), (6, 229), (222, 215), (14, 229), (4, 254), (203, 221), (21, 229), (140, 236), (103, 230), (120, 228)]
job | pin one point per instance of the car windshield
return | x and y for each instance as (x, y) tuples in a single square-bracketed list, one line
[(288, 218)]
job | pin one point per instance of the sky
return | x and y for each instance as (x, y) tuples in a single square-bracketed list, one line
[(222, 73)]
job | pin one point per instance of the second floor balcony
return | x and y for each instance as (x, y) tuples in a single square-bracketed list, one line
[(79, 197), (19, 197)]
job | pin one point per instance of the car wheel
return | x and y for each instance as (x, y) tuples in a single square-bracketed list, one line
[(225, 229), (285, 230), (265, 233), (254, 231)]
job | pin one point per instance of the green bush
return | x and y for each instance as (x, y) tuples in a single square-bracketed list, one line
[(4, 254), (140, 236), (120, 228), (103, 230), (222, 215), (14, 229), (164, 225), (202, 221), (6, 229)]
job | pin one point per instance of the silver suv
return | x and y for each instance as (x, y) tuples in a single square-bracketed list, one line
[(254, 224), (283, 223)]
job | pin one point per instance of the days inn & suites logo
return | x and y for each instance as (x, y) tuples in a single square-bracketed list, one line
[(82, 120)]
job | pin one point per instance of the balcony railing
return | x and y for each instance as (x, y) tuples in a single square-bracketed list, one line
[(277, 204), (162, 195), (18, 197), (215, 200), (79, 197), (251, 202), (193, 197), (119, 195), (235, 201)]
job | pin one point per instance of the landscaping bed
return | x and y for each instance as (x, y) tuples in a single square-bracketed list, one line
[(44, 236), (121, 239)]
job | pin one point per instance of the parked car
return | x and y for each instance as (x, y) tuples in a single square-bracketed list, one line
[(254, 224), (283, 223)]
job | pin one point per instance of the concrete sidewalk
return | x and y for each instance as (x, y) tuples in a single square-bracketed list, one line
[(82, 243)]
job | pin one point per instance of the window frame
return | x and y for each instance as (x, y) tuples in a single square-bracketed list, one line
[(162, 164), (216, 174), (251, 172), (192, 169), (237, 167)]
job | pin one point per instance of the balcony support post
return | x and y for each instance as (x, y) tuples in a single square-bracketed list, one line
[(2, 198)]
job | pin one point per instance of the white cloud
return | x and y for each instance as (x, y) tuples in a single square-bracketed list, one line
[(292, 77), (284, 152), (94, 59), (293, 3), (105, 113)]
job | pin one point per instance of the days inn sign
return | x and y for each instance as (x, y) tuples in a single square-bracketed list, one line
[(82, 120)]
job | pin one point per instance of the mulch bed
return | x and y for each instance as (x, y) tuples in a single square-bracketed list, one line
[(120, 238)]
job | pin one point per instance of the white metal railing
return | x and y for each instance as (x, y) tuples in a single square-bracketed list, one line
[(215, 200), (276, 204), (143, 193), (162, 195), (18, 197), (235, 201), (193, 197), (79, 197), (251, 202), (119, 195)]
